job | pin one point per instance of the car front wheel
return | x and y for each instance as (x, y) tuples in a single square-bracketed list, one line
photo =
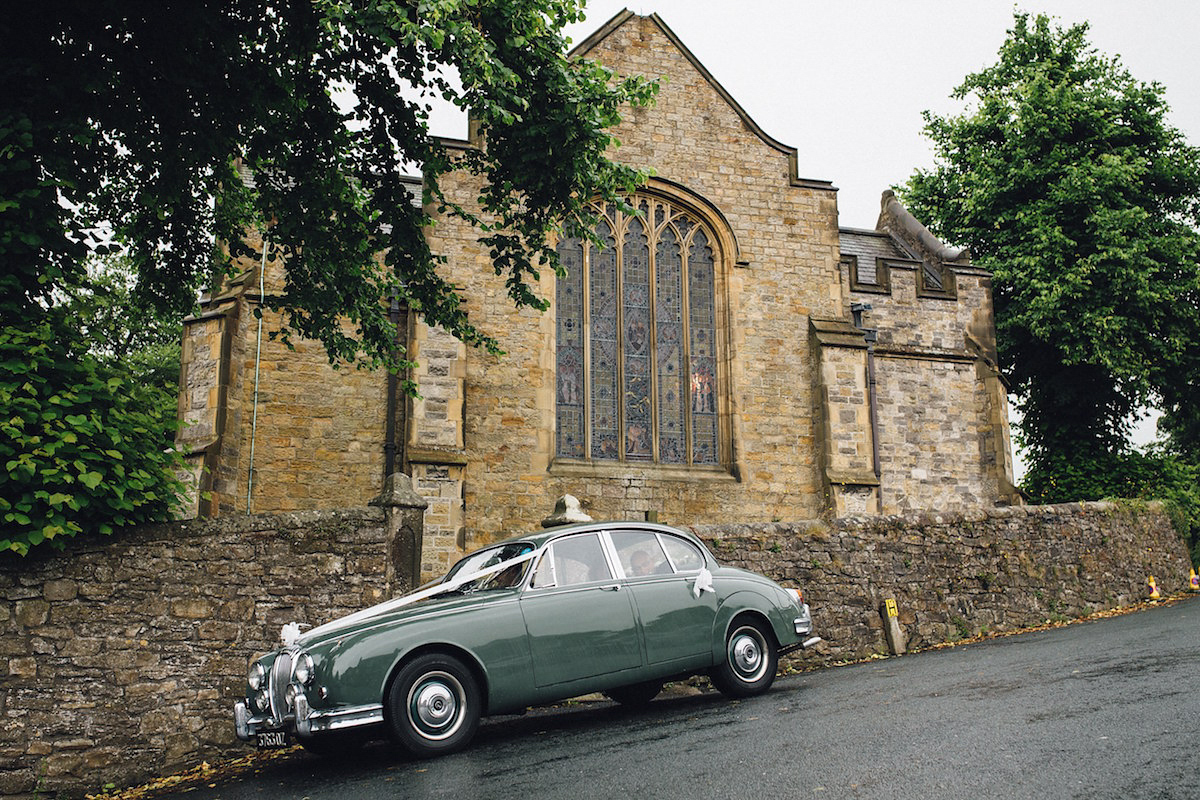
[(434, 705), (750, 661)]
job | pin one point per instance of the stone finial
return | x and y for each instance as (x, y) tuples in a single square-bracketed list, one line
[(566, 511), (896, 219), (398, 491)]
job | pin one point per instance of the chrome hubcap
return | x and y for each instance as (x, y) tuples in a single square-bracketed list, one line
[(434, 705), (746, 654)]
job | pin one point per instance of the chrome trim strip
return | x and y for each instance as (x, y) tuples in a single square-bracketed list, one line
[(340, 718), (279, 677)]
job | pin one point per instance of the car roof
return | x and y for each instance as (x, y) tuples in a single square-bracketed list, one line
[(539, 538)]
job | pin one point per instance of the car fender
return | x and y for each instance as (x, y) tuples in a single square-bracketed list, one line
[(742, 601), (363, 662)]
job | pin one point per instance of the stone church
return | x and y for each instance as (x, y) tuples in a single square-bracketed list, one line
[(729, 355)]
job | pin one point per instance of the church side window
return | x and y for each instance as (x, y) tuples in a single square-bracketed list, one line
[(636, 361)]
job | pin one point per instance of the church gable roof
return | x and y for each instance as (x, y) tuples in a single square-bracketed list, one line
[(624, 17)]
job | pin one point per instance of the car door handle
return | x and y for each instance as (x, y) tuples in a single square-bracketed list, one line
[(614, 587)]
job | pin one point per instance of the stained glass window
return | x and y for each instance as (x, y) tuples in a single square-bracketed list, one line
[(704, 354), (637, 332), (569, 359), (668, 296), (603, 314)]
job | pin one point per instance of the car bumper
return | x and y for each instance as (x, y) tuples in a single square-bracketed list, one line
[(304, 722), (803, 627)]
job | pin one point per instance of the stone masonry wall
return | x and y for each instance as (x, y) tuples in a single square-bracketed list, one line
[(434, 443), (122, 659), (200, 394), (956, 575), (944, 440), (932, 436), (318, 436), (313, 435)]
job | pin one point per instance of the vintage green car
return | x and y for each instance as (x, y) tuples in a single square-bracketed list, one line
[(618, 608)]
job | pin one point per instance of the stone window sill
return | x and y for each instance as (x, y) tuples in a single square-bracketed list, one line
[(626, 469)]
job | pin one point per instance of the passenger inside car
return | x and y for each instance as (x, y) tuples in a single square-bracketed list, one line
[(641, 564)]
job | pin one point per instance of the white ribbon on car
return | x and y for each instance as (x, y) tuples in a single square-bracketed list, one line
[(703, 583), (291, 632)]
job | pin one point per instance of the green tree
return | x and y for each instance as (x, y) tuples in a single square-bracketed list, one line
[(1065, 179), (89, 394), (128, 337), (81, 447), (123, 126)]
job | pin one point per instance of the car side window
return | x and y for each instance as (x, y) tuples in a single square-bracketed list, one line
[(684, 555), (640, 553), (543, 576), (574, 560)]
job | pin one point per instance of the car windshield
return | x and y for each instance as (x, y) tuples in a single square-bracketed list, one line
[(505, 579)]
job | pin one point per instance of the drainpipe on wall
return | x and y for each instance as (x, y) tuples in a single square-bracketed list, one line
[(872, 405), (257, 360)]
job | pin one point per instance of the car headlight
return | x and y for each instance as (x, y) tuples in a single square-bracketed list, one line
[(261, 701), (797, 595), (257, 676), (304, 670)]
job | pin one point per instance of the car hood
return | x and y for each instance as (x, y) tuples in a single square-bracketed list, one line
[(390, 614)]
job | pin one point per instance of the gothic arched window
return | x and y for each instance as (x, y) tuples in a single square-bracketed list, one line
[(637, 376)]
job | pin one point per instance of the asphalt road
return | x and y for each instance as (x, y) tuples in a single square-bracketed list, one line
[(1103, 709)]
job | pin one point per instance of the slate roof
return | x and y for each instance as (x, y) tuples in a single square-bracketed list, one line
[(869, 245)]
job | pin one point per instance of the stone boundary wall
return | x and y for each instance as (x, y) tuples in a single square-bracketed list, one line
[(122, 659), (957, 575)]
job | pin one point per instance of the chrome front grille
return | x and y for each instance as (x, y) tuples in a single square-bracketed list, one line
[(281, 676)]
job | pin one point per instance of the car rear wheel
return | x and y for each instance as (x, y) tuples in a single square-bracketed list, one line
[(750, 661), (434, 705), (639, 694)]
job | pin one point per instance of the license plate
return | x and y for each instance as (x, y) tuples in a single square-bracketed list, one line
[(270, 740)]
